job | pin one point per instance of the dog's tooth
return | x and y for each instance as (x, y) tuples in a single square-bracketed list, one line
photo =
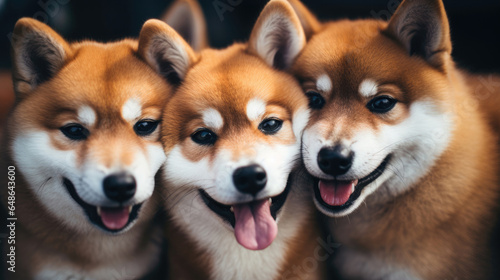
[(129, 209), (270, 200), (99, 211), (231, 209)]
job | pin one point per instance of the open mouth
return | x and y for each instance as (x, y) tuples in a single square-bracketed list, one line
[(254, 222), (109, 219), (337, 195)]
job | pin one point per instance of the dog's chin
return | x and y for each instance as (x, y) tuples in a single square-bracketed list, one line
[(337, 198), (111, 220)]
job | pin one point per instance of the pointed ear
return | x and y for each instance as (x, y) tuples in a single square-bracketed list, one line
[(422, 27), (186, 17), (310, 23), (165, 50), (38, 53), (277, 36)]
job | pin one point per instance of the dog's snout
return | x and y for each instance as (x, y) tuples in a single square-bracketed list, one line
[(119, 187), (250, 179), (335, 160)]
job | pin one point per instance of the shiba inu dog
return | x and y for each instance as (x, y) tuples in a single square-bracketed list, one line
[(232, 138), (405, 166), (84, 141)]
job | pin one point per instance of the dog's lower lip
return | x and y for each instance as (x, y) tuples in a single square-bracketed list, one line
[(362, 183), (226, 212), (93, 212)]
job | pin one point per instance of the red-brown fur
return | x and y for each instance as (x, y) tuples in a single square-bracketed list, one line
[(441, 227), (102, 76), (226, 80), (6, 96), (226, 90)]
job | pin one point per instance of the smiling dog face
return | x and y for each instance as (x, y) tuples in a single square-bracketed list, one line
[(235, 140), (377, 92), (85, 131), (235, 134)]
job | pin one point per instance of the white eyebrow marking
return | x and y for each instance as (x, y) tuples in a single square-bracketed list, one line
[(86, 115), (213, 118), (368, 88), (324, 83), (131, 110), (255, 109)]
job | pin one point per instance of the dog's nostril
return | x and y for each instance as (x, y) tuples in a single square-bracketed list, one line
[(250, 179), (119, 187), (261, 176)]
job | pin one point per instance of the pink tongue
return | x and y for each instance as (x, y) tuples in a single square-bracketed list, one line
[(255, 228), (114, 218), (336, 193)]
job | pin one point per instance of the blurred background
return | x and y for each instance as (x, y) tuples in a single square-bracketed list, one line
[(475, 25)]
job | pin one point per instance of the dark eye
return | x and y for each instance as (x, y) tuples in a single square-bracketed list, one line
[(381, 104), (316, 101), (145, 127), (270, 126), (75, 131), (204, 137)]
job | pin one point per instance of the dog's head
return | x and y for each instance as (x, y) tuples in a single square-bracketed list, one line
[(377, 93), (232, 129), (85, 129)]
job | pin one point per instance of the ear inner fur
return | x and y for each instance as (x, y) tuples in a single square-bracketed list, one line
[(277, 37), (309, 22), (38, 53), (165, 50), (422, 27), (186, 16)]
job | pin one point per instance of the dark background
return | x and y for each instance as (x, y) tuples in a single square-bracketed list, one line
[(475, 25)]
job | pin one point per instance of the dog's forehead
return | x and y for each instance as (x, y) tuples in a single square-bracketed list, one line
[(231, 102), (234, 113), (364, 87), (90, 89), (356, 57), (108, 76), (230, 86)]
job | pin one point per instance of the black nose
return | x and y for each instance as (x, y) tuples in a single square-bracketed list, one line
[(336, 160), (119, 187), (250, 179)]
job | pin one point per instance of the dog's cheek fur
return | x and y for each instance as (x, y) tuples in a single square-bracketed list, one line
[(278, 161), (312, 142), (417, 143), (43, 166), (179, 170)]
